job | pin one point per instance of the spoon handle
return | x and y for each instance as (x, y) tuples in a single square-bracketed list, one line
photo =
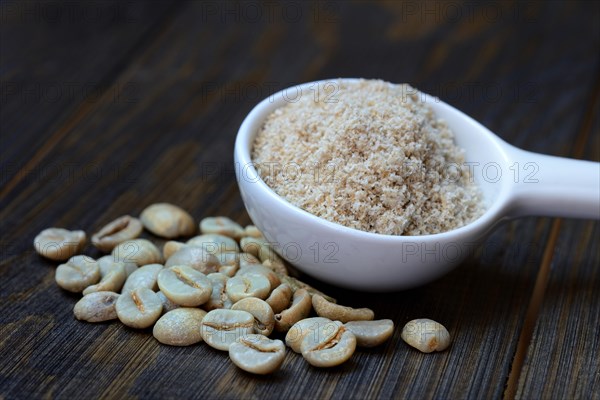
[(554, 186)]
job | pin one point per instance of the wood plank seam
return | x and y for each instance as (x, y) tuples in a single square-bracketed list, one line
[(535, 303), (537, 296)]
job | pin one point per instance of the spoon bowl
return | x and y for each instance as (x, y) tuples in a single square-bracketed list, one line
[(513, 182)]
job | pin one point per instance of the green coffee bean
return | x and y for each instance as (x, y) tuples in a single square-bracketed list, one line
[(77, 273), (328, 346), (336, 312), (59, 244), (240, 287), (426, 335), (184, 285), (261, 270), (371, 333), (280, 298), (118, 231), (97, 307), (304, 327), (179, 327), (222, 226), (220, 328), (139, 308), (139, 251), (167, 220), (257, 354), (218, 298)]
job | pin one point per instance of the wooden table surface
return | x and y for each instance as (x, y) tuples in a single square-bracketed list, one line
[(107, 107)]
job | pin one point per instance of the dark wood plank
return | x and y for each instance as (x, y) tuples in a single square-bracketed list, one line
[(175, 145), (562, 359), (57, 59)]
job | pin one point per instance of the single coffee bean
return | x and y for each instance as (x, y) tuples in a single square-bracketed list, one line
[(336, 312), (118, 231), (280, 298), (144, 276), (184, 285), (139, 308), (167, 220), (240, 287), (264, 318), (299, 310), (59, 244), (77, 273), (96, 307), (328, 346), (112, 281), (302, 328), (220, 328), (257, 354), (214, 243), (218, 298), (195, 257), (139, 251), (371, 333), (426, 335), (179, 327), (222, 226), (261, 270)]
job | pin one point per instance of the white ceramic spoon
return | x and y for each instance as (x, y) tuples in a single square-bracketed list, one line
[(514, 183)]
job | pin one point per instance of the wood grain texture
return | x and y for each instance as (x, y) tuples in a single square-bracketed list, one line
[(527, 74), (563, 360), (101, 36)]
